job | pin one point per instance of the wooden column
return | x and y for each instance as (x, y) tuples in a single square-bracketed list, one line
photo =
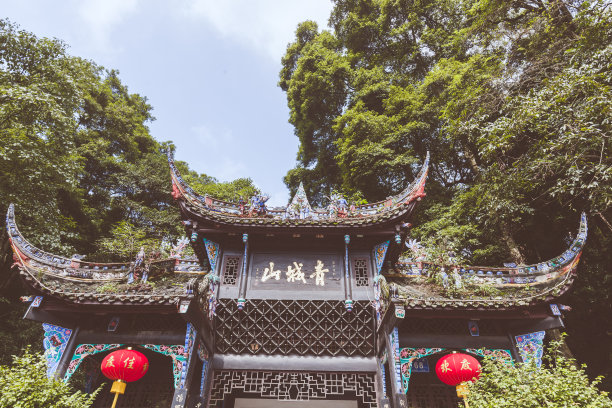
[(348, 290), (183, 391), (67, 355), (244, 273), (397, 393)]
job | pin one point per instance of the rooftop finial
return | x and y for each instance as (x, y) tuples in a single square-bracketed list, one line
[(299, 207)]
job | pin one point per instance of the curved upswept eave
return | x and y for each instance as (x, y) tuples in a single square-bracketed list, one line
[(227, 213), (37, 262), (546, 281)]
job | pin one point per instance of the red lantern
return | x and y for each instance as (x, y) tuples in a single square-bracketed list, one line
[(124, 366), (457, 368)]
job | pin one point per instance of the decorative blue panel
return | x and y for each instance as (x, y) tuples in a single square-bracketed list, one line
[(212, 250), (395, 360), (407, 356), (84, 350), (178, 355), (190, 337), (531, 347), (204, 356), (55, 341), (380, 251), (495, 354)]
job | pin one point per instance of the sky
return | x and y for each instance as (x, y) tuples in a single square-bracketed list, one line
[(209, 69)]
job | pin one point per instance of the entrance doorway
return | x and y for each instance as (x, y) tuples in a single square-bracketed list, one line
[(154, 390)]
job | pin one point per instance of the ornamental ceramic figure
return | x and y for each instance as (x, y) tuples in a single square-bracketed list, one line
[(177, 250), (332, 210), (130, 278), (145, 274), (457, 278), (342, 207), (258, 205), (75, 261), (242, 205), (140, 257)]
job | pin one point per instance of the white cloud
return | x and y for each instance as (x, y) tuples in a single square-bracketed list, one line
[(278, 199), (211, 140), (266, 25), (101, 17), (230, 169)]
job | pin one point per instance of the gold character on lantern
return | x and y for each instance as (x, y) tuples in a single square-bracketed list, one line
[(129, 363), (110, 362), (295, 273), (465, 365), (319, 273), (445, 367)]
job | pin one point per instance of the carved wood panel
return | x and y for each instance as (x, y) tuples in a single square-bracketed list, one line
[(293, 386), (302, 327)]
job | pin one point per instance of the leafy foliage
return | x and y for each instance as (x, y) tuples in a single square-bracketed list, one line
[(556, 384), (126, 240), (25, 385), (512, 99), (79, 162), (17, 333), (76, 155)]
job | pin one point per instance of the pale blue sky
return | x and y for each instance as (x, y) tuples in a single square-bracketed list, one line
[(209, 68)]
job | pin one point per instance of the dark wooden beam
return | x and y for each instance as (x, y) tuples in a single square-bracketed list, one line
[(139, 337), (293, 363)]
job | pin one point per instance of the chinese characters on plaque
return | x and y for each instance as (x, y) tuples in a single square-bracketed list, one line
[(294, 273), (307, 271)]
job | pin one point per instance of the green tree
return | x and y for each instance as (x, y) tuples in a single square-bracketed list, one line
[(513, 100), (40, 91), (24, 384), (126, 240), (207, 185), (560, 384)]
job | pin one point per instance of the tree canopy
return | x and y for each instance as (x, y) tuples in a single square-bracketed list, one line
[(76, 154), (513, 100), (79, 162)]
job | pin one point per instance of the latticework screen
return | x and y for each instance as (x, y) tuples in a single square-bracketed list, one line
[(302, 327), (293, 386)]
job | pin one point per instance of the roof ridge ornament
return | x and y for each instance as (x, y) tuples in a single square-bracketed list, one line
[(299, 211), (299, 207)]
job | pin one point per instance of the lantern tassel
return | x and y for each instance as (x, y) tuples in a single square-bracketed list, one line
[(115, 400), (462, 392), (117, 388)]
